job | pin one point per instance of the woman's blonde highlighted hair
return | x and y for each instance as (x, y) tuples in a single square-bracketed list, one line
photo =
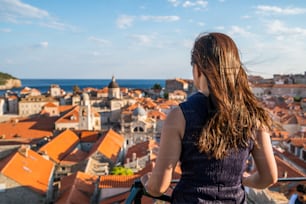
[(237, 112)]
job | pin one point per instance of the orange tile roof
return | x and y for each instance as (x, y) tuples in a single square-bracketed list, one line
[(90, 89), (157, 114), (76, 188), (124, 90), (29, 128), (132, 107), (289, 86), (104, 90), (298, 142), (141, 149), (301, 120), (117, 181), (293, 159), (71, 116), (74, 157), (109, 145), (12, 97), (164, 106), (61, 145), (31, 170), (283, 167), (65, 108), (149, 104), (50, 105), (171, 102), (262, 85), (89, 136), (25, 90)]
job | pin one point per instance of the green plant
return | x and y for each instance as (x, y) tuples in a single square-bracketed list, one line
[(119, 170)]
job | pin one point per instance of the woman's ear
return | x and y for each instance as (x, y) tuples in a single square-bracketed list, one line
[(197, 70)]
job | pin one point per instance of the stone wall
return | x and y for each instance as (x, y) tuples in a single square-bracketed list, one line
[(12, 192)]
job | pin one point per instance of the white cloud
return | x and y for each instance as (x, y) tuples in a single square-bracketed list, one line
[(246, 17), (160, 18), (240, 31), (220, 27), (268, 10), (57, 25), (142, 39), (188, 44), (198, 4), (201, 24), (175, 3), (99, 40), (5, 30), (14, 9), (44, 44), (279, 28), (125, 21)]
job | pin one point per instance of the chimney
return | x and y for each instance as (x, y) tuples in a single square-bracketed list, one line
[(23, 150), (134, 156)]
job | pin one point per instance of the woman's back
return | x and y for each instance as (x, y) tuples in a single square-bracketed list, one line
[(205, 178)]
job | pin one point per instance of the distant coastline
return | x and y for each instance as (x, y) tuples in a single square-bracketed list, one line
[(8, 81), (67, 84)]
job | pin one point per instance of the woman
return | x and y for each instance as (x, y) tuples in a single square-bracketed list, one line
[(213, 132)]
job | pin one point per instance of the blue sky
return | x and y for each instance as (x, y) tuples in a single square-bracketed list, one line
[(145, 39)]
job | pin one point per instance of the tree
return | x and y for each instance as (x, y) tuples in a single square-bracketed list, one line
[(76, 89), (120, 170), (157, 86)]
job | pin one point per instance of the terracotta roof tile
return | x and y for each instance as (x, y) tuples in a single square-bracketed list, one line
[(262, 85), (294, 159), (298, 142), (66, 108), (28, 168), (50, 105), (157, 114), (109, 145), (74, 157), (89, 136), (27, 128), (141, 149), (283, 167), (61, 145), (289, 86), (71, 117), (76, 188), (104, 90), (117, 181)]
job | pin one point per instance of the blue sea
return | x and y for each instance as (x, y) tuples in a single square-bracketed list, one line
[(67, 84)]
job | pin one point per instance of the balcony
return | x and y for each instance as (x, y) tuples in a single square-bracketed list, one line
[(137, 192)]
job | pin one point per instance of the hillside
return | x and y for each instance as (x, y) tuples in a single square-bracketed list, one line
[(7, 81)]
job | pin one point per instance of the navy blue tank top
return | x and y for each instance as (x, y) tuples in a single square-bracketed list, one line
[(205, 179)]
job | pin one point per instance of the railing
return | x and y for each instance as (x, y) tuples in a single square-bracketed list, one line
[(138, 191)]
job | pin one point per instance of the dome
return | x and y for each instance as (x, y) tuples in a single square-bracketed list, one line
[(139, 111), (113, 83)]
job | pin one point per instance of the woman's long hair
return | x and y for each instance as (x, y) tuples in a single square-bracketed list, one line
[(237, 113)]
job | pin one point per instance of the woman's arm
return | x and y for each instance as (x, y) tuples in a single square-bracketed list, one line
[(168, 155), (266, 174)]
